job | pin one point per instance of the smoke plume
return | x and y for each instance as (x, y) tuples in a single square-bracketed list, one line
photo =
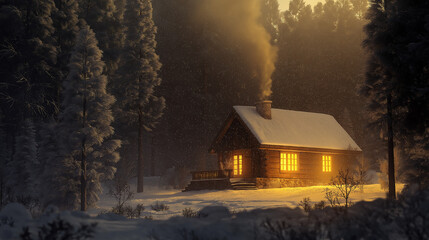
[(239, 20)]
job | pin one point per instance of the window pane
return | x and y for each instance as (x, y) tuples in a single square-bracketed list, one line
[(240, 165), (326, 163)]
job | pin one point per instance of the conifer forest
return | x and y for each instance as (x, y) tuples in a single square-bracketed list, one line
[(214, 119)]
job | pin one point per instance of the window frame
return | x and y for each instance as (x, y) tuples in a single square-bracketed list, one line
[(239, 170), (289, 162), (326, 163)]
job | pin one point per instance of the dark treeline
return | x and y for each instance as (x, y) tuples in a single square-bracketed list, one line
[(71, 72), (80, 81)]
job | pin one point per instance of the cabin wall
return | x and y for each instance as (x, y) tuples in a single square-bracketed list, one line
[(309, 169)]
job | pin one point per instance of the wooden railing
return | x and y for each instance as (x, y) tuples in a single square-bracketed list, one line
[(200, 175)]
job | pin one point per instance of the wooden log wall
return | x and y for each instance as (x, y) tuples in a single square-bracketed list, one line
[(309, 165)]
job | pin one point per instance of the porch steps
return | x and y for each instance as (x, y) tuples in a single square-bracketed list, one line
[(243, 185)]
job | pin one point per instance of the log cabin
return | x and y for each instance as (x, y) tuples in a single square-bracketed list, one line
[(263, 147)]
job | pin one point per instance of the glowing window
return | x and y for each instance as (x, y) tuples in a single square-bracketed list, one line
[(326, 163), (238, 164), (288, 162)]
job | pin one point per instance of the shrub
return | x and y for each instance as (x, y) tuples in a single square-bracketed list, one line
[(189, 213), (345, 183), (332, 198), (59, 229), (120, 190), (159, 206), (128, 211), (307, 205), (320, 205)]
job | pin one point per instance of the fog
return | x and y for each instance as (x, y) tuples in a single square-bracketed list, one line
[(239, 21)]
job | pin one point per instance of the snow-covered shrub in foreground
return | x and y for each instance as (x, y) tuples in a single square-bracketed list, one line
[(60, 229), (406, 218)]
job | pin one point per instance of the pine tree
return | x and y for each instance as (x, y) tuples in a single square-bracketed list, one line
[(51, 171), (139, 74), (380, 82), (270, 18), (85, 123), (28, 56), (397, 79), (28, 53), (103, 17), (65, 20), (409, 27), (22, 177), (3, 166)]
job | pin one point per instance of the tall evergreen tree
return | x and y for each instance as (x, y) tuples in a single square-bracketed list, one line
[(380, 80), (270, 18), (397, 80), (103, 17), (22, 178), (3, 166), (28, 55), (51, 171), (85, 123), (65, 20), (139, 74), (27, 59)]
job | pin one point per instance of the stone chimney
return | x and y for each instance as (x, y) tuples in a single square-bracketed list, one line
[(264, 109)]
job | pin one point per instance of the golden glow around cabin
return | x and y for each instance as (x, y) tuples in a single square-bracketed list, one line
[(326, 163), (238, 165), (288, 162)]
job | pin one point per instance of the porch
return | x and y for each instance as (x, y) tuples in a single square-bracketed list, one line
[(219, 180)]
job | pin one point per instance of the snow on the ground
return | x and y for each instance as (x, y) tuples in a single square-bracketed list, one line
[(223, 216), (235, 200)]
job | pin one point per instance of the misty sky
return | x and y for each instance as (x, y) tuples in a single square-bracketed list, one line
[(284, 4)]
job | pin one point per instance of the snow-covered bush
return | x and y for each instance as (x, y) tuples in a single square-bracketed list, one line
[(60, 229), (157, 206), (214, 212), (189, 213), (407, 218), (128, 211)]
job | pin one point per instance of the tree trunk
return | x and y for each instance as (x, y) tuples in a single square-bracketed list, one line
[(1, 191), (391, 162), (83, 164), (83, 179), (152, 157), (140, 155)]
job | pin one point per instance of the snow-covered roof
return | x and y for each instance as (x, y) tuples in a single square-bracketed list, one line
[(297, 129)]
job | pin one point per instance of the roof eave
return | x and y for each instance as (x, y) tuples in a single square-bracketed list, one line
[(310, 149)]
